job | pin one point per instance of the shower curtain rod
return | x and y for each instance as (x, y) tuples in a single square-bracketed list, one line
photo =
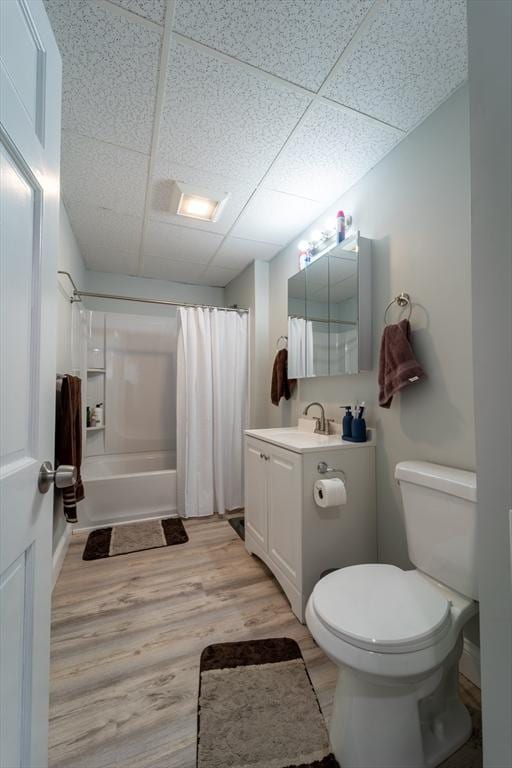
[(77, 296)]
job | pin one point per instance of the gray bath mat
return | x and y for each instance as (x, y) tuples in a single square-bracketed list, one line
[(134, 537), (257, 707)]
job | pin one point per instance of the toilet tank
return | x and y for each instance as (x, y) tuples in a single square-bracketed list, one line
[(440, 521)]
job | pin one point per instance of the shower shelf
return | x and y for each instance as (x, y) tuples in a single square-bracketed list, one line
[(95, 429)]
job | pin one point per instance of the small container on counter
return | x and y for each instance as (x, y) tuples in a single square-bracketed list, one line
[(358, 427)]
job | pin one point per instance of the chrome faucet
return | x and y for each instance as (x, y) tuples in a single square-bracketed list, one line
[(321, 424)]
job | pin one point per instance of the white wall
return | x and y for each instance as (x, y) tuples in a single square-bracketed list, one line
[(145, 287), (490, 70), (69, 259), (249, 290), (414, 205)]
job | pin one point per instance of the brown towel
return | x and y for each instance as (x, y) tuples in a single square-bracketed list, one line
[(68, 438), (398, 366), (282, 386)]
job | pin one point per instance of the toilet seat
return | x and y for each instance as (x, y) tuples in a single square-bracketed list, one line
[(382, 608)]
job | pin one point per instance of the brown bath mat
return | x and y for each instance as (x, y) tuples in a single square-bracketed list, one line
[(257, 707), (134, 537)]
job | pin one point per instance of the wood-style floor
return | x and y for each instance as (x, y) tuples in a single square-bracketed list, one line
[(127, 634)]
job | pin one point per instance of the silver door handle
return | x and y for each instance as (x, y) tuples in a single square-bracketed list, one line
[(63, 477)]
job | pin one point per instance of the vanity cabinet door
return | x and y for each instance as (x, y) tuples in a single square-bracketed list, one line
[(285, 512), (256, 491)]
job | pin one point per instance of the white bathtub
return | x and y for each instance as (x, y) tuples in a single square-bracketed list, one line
[(127, 487)]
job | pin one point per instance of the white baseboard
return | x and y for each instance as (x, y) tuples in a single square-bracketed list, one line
[(469, 663), (60, 553)]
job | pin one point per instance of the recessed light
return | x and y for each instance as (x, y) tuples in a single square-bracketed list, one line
[(202, 204), (197, 207)]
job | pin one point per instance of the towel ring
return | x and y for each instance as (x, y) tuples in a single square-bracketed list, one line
[(403, 300), (284, 338)]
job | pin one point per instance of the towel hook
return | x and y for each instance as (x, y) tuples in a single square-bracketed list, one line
[(403, 300), (285, 339)]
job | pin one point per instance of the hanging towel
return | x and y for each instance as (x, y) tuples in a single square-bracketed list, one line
[(398, 366), (68, 438), (282, 386)]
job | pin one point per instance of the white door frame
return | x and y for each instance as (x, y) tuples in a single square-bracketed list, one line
[(490, 93), (30, 108)]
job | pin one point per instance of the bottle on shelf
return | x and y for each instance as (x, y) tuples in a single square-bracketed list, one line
[(98, 410)]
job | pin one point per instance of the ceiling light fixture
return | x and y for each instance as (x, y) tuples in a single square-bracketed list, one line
[(194, 203)]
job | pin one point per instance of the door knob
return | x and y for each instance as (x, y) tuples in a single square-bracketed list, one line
[(63, 476)]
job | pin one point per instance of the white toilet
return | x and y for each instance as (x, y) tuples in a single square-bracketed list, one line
[(397, 635)]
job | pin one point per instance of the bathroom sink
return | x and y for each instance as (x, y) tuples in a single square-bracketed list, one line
[(295, 435), (295, 439)]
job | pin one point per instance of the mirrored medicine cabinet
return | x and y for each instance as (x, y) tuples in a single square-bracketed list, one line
[(329, 313)]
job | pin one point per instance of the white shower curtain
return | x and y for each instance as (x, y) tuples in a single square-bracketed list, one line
[(300, 348), (211, 410)]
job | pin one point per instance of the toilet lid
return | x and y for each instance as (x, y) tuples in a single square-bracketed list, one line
[(381, 608)]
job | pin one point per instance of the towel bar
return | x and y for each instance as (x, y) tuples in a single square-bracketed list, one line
[(403, 300)]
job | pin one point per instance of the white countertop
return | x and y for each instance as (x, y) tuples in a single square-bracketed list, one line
[(299, 441)]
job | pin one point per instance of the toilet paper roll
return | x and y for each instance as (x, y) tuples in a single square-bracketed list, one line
[(330, 492)]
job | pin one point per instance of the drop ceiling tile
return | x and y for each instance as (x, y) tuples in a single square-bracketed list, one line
[(120, 263), (167, 269), (276, 217), (331, 150), (237, 252), (221, 118), (166, 241), (110, 68), (103, 175), (103, 236), (299, 41), (154, 10), (161, 188), (410, 58), (217, 276)]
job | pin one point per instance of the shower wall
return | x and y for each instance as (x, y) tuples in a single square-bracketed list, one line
[(132, 370), (140, 383)]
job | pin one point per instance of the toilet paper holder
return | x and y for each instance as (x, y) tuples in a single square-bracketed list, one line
[(323, 468)]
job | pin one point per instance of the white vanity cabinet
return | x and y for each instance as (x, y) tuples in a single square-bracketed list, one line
[(284, 527)]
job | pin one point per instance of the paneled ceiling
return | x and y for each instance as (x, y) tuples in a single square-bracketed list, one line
[(285, 104)]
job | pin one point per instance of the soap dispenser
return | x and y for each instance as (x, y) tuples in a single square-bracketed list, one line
[(347, 422)]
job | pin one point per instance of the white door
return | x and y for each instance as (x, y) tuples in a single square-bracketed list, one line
[(30, 88), (285, 511), (256, 504)]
